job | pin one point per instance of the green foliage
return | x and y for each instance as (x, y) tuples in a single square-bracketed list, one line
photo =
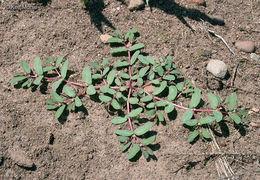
[(132, 86)]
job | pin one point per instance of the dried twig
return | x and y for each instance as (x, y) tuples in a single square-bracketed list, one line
[(212, 32), (234, 74)]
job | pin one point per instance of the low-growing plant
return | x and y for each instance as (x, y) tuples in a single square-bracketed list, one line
[(136, 87)]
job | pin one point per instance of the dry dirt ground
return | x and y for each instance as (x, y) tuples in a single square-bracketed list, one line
[(85, 147)]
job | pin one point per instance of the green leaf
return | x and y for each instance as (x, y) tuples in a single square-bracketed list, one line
[(140, 82), (105, 71), (17, 79), (118, 50), (46, 69), (159, 69), (213, 100), (232, 99), (150, 60), (195, 98), (192, 122), (187, 116), (150, 112), (38, 66), (243, 112), (172, 93), (94, 65), (56, 97), (118, 32), (25, 66), (111, 76), (51, 107), (49, 101), (134, 57), (125, 147), (136, 47), (124, 75), (135, 149), (179, 86), (68, 91), (56, 84), (143, 71), (122, 138), (206, 120), (60, 111), (193, 135), (146, 98), (150, 105), (160, 116), (175, 72), (114, 40), (86, 76), (115, 104), (143, 60), (205, 133), (160, 89), (78, 102), (135, 112), (120, 64), (143, 129), (91, 90), (148, 140), (145, 154), (169, 77), (26, 82), (188, 91), (64, 69), (37, 81), (160, 103), (169, 108), (58, 62), (156, 82), (104, 62), (124, 132), (119, 120), (218, 115), (104, 98), (118, 82), (235, 117), (133, 100)]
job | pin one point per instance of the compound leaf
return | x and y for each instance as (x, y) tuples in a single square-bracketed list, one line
[(143, 129)]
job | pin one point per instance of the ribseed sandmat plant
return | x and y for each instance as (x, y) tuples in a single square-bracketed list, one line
[(136, 87)]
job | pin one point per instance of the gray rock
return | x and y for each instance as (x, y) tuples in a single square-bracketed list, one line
[(136, 4), (20, 158), (206, 53), (217, 68), (246, 46)]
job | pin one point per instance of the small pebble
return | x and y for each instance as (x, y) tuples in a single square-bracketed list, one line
[(20, 158), (255, 57), (149, 89), (246, 46), (104, 37), (217, 68), (136, 4), (206, 53)]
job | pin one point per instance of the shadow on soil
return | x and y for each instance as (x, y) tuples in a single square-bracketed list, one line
[(168, 6)]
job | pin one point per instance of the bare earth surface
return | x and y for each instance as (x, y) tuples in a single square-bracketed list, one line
[(85, 147)]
